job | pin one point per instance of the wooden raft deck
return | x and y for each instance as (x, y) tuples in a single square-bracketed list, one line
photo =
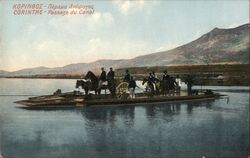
[(148, 99), (71, 100)]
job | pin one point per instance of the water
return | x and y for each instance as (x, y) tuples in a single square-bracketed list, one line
[(212, 128)]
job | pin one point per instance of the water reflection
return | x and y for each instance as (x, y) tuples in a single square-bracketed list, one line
[(191, 105), (126, 114), (108, 114)]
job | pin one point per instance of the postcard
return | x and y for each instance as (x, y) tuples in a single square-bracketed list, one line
[(124, 79)]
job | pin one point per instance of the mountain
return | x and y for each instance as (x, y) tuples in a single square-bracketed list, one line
[(4, 73), (217, 46), (72, 69)]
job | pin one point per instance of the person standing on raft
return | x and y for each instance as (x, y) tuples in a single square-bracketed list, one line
[(131, 87), (111, 81), (189, 81), (102, 79)]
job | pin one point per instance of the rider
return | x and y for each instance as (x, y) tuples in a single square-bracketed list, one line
[(127, 76), (111, 81), (111, 75), (102, 78), (156, 81), (151, 77), (152, 80)]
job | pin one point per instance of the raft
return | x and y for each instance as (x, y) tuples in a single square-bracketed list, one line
[(71, 99)]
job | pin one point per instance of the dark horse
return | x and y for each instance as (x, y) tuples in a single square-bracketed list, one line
[(168, 85), (85, 84), (165, 86), (91, 84)]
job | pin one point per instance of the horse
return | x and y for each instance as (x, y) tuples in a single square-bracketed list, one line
[(85, 84), (150, 87), (168, 86), (95, 81)]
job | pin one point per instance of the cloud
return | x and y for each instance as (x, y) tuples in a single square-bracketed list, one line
[(108, 18), (72, 24), (47, 46), (167, 46), (233, 25), (31, 28), (125, 6), (128, 6)]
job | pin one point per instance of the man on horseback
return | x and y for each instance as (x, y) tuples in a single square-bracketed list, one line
[(102, 78), (111, 81), (127, 76), (151, 78), (111, 75), (157, 83), (150, 86)]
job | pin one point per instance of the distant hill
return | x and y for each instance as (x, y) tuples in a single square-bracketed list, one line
[(4, 73), (215, 47)]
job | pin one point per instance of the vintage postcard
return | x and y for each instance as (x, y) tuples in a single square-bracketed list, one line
[(124, 79)]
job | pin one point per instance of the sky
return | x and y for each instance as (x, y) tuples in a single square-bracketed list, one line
[(118, 29)]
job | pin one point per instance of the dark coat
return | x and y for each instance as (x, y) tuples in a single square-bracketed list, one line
[(103, 76), (166, 77), (151, 79), (126, 77), (111, 76), (132, 84)]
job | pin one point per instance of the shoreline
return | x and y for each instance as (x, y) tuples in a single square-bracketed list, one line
[(211, 75)]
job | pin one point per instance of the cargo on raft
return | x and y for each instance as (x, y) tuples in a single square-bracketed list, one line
[(77, 99)]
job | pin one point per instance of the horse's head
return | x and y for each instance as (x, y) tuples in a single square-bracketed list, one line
[(90, 75), (79, 83), (144, 81)]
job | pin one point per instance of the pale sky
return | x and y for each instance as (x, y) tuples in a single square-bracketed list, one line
[(117, 30)]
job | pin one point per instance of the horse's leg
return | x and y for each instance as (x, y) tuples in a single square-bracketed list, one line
[(152, 89), (113, 91), (86, 91), (110, 90)]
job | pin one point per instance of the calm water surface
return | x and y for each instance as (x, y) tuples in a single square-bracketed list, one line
[(213, 128)]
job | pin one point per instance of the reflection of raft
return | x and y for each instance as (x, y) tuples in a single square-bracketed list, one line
[(72, 99)]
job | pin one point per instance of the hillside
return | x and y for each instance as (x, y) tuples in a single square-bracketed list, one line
[(215, 47)]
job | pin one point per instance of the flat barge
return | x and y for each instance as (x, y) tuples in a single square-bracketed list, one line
[(71, 99)]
